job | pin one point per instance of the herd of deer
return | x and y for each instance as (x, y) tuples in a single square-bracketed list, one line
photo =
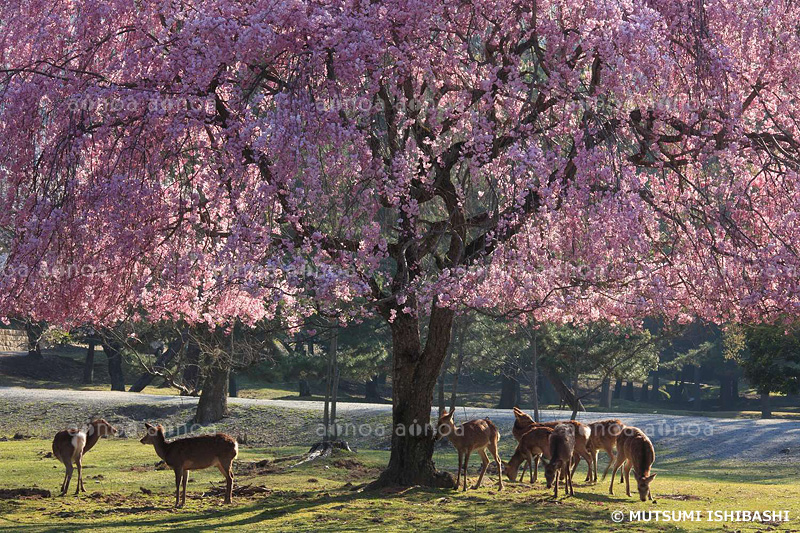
[(563, 444)]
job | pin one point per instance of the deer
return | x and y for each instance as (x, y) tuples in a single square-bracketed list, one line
[(604, 436), (635, 450), (474, 435), (562, 449), (523, 422), (70, 445), (194, 453), (532, 445)]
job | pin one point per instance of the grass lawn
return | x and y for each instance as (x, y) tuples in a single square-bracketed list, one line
[(316, 496)]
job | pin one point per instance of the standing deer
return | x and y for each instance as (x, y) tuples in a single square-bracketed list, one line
[(70, 445), (475, 435), (604, 436), (523, 422), (635, 450), (194, 453), (533, 445), (562, 448)]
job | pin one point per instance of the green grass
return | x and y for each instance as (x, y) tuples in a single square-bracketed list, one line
[(315, 496)]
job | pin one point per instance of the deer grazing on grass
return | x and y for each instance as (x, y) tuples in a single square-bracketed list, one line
[(70, 445), (532, 445), (603, 437), (562, 448), (523, 423), (194, 453), (475, 435), (635, 450)]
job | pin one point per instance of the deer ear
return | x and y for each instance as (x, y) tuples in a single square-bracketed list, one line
[(650, 478), (450, 414), (148, 426)]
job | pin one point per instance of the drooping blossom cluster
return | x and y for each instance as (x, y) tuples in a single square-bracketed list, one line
[(227, 159)]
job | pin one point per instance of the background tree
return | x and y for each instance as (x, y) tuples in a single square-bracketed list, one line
[(771, 361)]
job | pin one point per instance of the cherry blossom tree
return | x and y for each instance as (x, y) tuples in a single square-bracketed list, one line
[(229, 160)]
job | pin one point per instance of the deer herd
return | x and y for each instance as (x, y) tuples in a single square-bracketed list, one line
[(559, 445)]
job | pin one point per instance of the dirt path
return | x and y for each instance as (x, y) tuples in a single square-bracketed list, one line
[(693, 437)]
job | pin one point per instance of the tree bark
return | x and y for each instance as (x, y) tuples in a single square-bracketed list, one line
[(191, 369), (88, 364), (114, 354), (305, 389), (567, 395), (213, 404), (698, 390), (34, 332), (617, 389), (656, 396), (605, 393), (644, 395), (414, 373), (766, 410), (233, 385), (629, 392), (509, 392)]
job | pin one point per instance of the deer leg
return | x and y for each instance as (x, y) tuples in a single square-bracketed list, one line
[(67, 479), (79, 483), (184, 479), (484, 465), (466, 461), (558, 476), (178, 477), (496, 454), (460, 463), (611, 458), (227, 471), (536, 468), (628, 466), (525, 467), (617, 465)]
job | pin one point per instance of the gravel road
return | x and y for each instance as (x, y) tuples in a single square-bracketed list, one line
[(690, 436)]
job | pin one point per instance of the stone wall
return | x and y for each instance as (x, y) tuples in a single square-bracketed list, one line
[(13, 340)]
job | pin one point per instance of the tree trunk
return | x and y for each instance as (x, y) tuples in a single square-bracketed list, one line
[(535, 381), (213, 404), (509, 392), (618, 389), (414, 373), (326, 413), (698, 390), (88, 364), (629, 392), (34, 332), (605, 393), (656, 396), (173, 348), (233, 386), (644, 396), (766, 411), (305, 389), (567, 395), (724, 392), (191, 370), (114, 354)]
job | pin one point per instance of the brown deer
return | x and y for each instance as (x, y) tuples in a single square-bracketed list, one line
[(194, 453), (475, 435), (562, 449), (523, 422), (603, 437), (70, 445), (635, 450), (533, 445)]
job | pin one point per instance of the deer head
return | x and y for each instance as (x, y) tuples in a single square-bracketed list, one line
[(151, 433), (102, 428), (445, 425), (643, 484)]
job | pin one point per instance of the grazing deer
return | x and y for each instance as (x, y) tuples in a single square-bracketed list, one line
[(194, 453), (604, 436), (562, 448), (70, 445), (523, 422), (635, 450), (475, 435), (532, 445)]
